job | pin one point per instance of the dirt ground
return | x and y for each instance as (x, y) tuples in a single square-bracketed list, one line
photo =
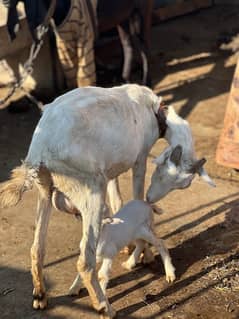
[(192, 65)]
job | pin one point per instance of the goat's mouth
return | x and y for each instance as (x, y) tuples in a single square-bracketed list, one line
[(148, 199), (152, 200)]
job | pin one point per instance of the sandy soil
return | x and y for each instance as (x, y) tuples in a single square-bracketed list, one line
[(192, 67)]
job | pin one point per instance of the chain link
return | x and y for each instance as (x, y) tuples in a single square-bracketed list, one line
[(28, 65), (27, 70)]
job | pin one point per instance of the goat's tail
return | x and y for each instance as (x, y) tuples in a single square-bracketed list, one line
[(21, 180), (156, 209)]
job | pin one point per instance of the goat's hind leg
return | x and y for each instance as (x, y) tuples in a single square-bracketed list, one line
[(134, 257), (38, 248), (138, 43), (91, 203)]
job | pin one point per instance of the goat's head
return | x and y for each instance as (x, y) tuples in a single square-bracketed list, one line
[(173, 173)]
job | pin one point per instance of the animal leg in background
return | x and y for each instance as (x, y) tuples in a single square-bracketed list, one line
[(125, 39), (140, 47)]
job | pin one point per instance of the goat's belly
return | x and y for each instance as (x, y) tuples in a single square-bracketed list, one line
[(108, 164), (110, 158)]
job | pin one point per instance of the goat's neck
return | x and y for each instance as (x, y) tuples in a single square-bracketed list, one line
[(179, 135)]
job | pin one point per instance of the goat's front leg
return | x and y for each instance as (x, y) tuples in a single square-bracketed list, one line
[(93, 202), (38, 249), (139, 170), (114, 195)]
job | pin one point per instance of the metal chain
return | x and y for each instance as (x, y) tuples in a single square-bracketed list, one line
[(27, 70), (28, 65)]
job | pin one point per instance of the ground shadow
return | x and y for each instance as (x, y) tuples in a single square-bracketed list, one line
[(128, 311), (219, 239), (15, 295), (182, 50)]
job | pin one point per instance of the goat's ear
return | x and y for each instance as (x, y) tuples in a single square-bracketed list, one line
[(205, 177), (197, 165), (176, 155)]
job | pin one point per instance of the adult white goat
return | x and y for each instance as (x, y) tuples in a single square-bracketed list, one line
[(84, 139)]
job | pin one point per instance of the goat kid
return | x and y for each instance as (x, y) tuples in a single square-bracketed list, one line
[(133, 223)]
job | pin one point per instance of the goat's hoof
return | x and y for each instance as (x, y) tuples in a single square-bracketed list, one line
[(170, 277), (39, 301), (110, 314)]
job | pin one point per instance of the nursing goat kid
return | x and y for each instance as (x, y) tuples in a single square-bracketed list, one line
[(133, 223), (85, 139)]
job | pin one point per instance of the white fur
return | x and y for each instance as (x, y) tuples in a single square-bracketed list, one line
[(91, 129), (133, 223), (84, 139)]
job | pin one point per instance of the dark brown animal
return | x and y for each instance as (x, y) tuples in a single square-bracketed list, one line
[(133, 21)]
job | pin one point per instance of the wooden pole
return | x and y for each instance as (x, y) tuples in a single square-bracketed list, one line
[(228, 147)]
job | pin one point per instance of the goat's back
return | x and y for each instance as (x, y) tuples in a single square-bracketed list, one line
[(95, 129)]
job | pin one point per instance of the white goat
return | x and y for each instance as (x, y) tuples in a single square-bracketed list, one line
[(85, 139), (133, 223)]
